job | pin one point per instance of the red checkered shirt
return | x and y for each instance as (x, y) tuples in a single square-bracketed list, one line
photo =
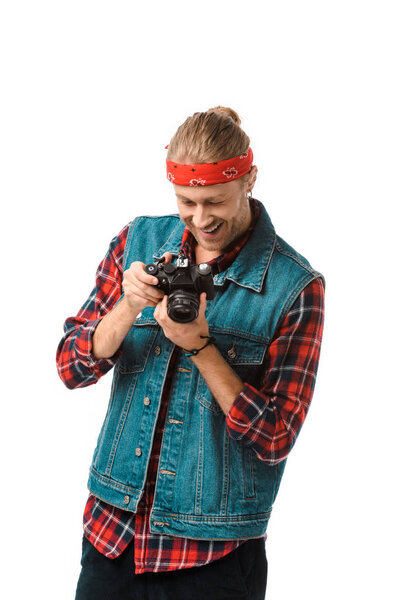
[(268, 419)]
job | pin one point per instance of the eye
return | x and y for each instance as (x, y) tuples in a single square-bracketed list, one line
[(191, 203)]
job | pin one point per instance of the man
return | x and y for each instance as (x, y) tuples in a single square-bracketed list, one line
[(202, 415)]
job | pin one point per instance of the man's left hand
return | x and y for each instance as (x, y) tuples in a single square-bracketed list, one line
[(185, 335)]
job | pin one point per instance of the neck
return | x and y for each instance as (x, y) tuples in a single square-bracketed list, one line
[(205, 255)]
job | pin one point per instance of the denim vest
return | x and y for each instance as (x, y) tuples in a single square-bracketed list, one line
[(208, 486)]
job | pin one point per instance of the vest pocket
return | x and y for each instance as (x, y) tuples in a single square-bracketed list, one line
[(243, 355)]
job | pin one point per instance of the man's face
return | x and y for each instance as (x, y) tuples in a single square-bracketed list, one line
[(202, 208)]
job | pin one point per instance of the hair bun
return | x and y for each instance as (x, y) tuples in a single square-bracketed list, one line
[(209, 136), (223, 110)]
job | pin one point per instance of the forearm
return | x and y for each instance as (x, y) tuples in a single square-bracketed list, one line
[(76, 364), (224, 384), (112, 329), (269, 418)]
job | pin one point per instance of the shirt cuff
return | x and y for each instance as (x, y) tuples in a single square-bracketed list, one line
[(84, 348), (246, 409), (83, 343)]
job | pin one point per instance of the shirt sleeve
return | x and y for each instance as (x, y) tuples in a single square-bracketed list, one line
[(76, 365), (269, 419)]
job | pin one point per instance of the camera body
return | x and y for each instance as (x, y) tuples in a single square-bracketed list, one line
[(183, 283)]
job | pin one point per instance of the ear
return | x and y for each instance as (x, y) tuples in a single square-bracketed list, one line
[(252, 178)]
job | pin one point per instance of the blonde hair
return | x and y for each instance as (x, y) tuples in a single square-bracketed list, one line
[(209, 136)]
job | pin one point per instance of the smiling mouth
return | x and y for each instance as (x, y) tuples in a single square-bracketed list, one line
[(212, 230)]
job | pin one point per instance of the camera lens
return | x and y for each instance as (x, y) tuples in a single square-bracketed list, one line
[(182, 306)]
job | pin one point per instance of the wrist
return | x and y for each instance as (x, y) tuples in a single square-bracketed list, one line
[(130, 310), (205, 356), (194, 351), (112, 329)]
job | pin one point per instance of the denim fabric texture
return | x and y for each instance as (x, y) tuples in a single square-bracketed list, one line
[(209, 486), (240, 575)]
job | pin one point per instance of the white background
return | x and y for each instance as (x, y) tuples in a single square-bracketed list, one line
[(91, 94)]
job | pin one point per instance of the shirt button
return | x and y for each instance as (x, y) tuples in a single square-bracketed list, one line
[(231, 353), (146, 401), (138, 452), (126, 499), (157, 350)]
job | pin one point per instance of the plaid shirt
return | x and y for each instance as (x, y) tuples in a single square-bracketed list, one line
[(268, 419)]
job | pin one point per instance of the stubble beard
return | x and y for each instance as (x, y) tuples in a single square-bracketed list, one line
[(237, 229)]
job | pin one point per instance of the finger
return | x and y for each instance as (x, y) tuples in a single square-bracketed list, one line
[(203, 302), (136, 275), (141, 284), (164, 308), (155, 294), (147, 278), (160, 310), (163, 304), (168, 257), (148, 293)]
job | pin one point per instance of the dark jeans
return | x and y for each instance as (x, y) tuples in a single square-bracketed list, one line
[(240, 575)]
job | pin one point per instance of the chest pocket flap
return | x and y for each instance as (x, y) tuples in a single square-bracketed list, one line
[(246, 358)]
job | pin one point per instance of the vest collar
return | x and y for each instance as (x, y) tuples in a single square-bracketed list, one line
[(251, 264)]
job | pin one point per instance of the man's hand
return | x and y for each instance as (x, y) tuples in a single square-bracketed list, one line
[(224, 384), (185, 335), (139, 286)]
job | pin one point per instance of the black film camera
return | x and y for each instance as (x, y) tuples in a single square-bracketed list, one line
[(183, 283)]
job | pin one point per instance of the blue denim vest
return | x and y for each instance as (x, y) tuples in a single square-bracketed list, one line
[(209, 486)]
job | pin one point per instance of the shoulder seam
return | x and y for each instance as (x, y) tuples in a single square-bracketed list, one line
[(292, 298), (294, 257)]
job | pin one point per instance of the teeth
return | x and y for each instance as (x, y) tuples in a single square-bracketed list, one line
[(211, 230)]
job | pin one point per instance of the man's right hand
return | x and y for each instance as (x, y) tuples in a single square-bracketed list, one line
[(140, 288)]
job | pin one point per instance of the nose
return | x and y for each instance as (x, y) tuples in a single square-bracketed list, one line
[(201, 217)]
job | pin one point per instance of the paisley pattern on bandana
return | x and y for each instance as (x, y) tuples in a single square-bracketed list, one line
[(210, 173)]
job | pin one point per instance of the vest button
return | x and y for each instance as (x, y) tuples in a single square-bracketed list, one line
[(146, 401), (126, 499), (138, 452), (157, 350), (231, 353)]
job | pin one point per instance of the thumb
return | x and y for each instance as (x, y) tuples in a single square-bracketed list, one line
[(203, 302), (168, 257)]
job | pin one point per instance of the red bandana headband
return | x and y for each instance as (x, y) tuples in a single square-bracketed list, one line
[(210, 173)]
